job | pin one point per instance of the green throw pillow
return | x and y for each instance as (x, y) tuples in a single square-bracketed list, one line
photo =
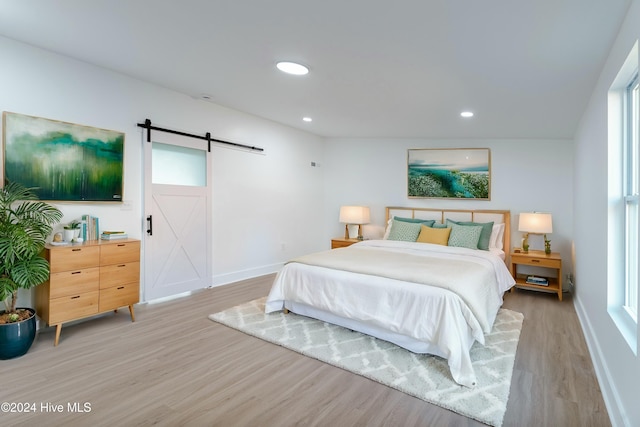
[(404, 231), (485, 236), (464, 236)]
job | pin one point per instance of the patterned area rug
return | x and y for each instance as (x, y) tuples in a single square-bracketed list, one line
[(423, 376)]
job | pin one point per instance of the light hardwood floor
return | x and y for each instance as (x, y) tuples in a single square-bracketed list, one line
[(175, 367)]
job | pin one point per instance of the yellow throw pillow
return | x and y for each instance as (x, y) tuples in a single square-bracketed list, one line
[(438, 236)]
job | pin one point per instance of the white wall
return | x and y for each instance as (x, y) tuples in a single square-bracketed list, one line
[(526, 175), (617, 367), (263, 205)]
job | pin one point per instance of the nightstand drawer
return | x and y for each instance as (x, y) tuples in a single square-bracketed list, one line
[(342, 243), (538, 262)]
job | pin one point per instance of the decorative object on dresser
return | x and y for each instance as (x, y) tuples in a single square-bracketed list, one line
[(87, 279), (538, 282), (25, 223), (459, 173), (72, 231), (535, 223), (342, 243), (352, 215)]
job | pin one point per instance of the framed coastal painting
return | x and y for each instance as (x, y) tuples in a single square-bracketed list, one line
[(461, 173), (63, 161)]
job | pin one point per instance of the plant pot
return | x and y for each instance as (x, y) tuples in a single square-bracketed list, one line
[(16, 338), (68, 235)]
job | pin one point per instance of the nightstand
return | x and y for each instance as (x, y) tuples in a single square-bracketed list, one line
[(342, 242), (538, 259)]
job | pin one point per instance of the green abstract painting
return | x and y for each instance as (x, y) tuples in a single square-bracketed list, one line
[(64, 161)]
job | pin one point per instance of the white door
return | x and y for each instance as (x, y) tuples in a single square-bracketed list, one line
[(177, 244)]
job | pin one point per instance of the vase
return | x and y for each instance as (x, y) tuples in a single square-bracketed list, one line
[(16, 338)]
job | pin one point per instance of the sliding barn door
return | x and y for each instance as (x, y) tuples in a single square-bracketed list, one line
[(178, 219)]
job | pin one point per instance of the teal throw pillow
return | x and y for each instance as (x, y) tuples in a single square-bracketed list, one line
[(404, 231), (485, 236), (464, 236), (427, 222), (438, 225)]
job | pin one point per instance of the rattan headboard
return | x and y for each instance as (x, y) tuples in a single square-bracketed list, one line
[(476, 215)]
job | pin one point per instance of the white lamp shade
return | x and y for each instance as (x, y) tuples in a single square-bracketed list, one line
[(354, 215), (535, 222)]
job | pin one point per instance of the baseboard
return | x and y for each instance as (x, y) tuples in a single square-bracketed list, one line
[(237, 276), (607, 386)]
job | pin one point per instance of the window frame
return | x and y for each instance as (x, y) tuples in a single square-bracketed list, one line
[(631, 144), (619, 128)]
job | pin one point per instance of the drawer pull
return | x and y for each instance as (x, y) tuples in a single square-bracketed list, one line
[(76, 250), (535, 260), (122, 265), (76, 272), (120, 287), (122, 244), (76, 297)]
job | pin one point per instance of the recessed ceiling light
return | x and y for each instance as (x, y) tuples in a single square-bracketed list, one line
[(292, 68), (466, 114), (307, 119)]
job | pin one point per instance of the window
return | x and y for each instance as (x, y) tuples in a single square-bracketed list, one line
[(631, 195), (623, 225)]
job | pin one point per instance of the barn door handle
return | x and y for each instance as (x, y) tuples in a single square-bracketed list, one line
[(150, 225)]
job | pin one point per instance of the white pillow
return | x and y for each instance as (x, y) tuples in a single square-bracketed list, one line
[(497, 236), (388, 230)]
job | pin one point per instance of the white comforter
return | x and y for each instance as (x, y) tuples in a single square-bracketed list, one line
[(402, 302)]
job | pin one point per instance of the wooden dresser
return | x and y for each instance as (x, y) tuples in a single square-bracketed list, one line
[(87, 279)]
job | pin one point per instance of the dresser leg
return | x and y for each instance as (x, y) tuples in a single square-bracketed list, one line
[(58, 330), (133, 316)]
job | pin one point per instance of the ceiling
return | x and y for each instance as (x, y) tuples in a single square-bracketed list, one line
[(401, 69)]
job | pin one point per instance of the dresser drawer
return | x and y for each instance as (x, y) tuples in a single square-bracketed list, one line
[(118, 253), (74, 282), (73, 258), (117, 274), (73, 307), (119, 296)]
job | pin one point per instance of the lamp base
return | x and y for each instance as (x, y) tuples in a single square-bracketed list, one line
[(346, 231), (547, 245), (360, 237)]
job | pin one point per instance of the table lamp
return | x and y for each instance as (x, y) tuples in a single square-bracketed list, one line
[(536, 223), (354, 215)]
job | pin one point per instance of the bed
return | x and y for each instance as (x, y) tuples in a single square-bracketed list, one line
[(423, 296)]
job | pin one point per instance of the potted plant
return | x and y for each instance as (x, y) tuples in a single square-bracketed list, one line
[(25, 224), (71, 231)]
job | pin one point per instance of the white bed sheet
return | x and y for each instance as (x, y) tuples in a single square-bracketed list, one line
[(421, 318)]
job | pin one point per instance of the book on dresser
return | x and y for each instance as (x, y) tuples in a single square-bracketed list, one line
[(113, 235)]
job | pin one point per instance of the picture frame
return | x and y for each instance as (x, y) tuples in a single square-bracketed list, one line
[(63, 161), (443, 173)]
